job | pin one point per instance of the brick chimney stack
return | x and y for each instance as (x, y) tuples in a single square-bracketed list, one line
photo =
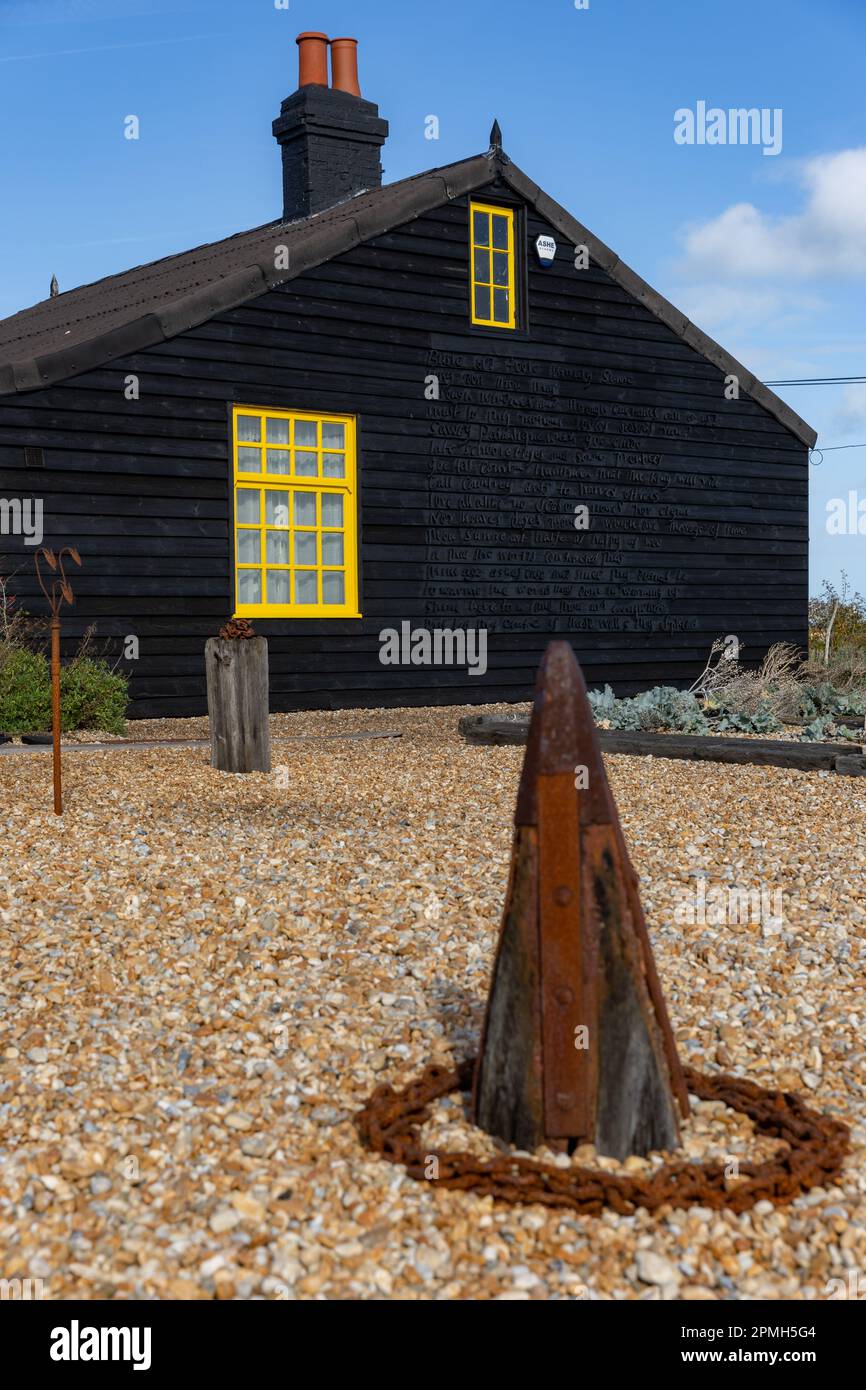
[(330, 136)]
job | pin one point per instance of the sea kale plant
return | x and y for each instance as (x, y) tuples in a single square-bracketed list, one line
[(729, 697), (656, 709)]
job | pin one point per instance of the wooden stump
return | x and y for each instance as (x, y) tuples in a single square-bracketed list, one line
[(577, 1046), (237, 702)]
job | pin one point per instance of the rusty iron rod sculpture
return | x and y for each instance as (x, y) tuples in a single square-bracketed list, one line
[(60, 592)]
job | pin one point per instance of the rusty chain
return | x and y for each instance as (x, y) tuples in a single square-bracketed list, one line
[(390, 1124), (237, 629)]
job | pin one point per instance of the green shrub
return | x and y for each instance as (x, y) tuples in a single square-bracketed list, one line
[(843, 612), (92, 696), (25, 692)]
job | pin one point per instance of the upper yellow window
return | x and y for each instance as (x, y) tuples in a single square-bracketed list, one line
[(493, 279), (295, 514)]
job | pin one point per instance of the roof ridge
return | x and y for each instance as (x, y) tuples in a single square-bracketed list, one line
[(296, 223), (152, 312)]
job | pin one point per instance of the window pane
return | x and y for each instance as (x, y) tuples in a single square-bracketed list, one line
[(306, 588), (306, 465), (279, 461), (305, 509), (500, 232), (333, 588), (305, 548), (332, 509), (249, 586), (332, 550), (500, 306), (278, 548), (500, 268), (249, 428), (278, 431), (249, 548), (333, 466), (278, 586), (249, 506), (482, 266), (306, 434), (481, 228), (482, 302), (277, 508), (333, 435), (249, 460)]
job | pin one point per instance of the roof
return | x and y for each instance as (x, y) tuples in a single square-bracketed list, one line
[(94, 324)]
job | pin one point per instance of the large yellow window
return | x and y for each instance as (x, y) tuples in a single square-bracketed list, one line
[(295, 514), (493, 277)]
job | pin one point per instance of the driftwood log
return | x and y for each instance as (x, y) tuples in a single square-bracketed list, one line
[(237, 702), (576, 1045), (766, 752)]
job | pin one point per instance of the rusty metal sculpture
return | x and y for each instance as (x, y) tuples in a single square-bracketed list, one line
[(574, 965), (577, 1046), (58, 591)]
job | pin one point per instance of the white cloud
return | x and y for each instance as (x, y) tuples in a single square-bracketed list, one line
[(729, 308), (851, 412), (826, 239)]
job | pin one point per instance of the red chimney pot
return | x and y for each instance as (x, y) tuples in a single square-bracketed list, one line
[(344, 66), (313, 60)]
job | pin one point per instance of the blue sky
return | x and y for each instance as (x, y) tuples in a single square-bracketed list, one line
[(766, 253)]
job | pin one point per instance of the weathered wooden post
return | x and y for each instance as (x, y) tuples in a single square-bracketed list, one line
[(577, 1046), (236, 663)]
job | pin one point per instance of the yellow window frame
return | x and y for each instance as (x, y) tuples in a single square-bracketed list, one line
[(482, 255), (287, 480)]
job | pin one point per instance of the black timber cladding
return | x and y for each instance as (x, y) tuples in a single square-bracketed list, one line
[(697, 504)]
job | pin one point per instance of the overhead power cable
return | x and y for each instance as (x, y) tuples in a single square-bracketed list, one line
[(821, 381)]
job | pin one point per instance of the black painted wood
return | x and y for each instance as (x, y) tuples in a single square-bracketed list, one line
[(698, 522)]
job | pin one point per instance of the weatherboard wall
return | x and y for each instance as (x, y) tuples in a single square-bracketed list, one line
[(697, 505)]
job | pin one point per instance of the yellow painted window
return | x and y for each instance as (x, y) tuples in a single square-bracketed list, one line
[(493, 275), (295, 514)]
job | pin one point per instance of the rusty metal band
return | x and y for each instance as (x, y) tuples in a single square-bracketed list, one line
[(564, 1067)]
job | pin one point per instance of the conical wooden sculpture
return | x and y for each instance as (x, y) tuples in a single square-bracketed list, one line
[(577, 1046)]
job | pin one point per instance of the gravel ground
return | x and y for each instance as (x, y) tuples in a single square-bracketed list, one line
[(202, 978)]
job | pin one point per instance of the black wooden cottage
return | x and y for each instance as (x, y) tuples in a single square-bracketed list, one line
[(440, 404)]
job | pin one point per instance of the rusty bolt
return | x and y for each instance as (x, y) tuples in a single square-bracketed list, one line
[(563, 895), (564, 1099), (564, 995)]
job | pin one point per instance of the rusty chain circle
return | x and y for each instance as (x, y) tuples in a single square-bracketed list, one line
[(390, 1124)]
